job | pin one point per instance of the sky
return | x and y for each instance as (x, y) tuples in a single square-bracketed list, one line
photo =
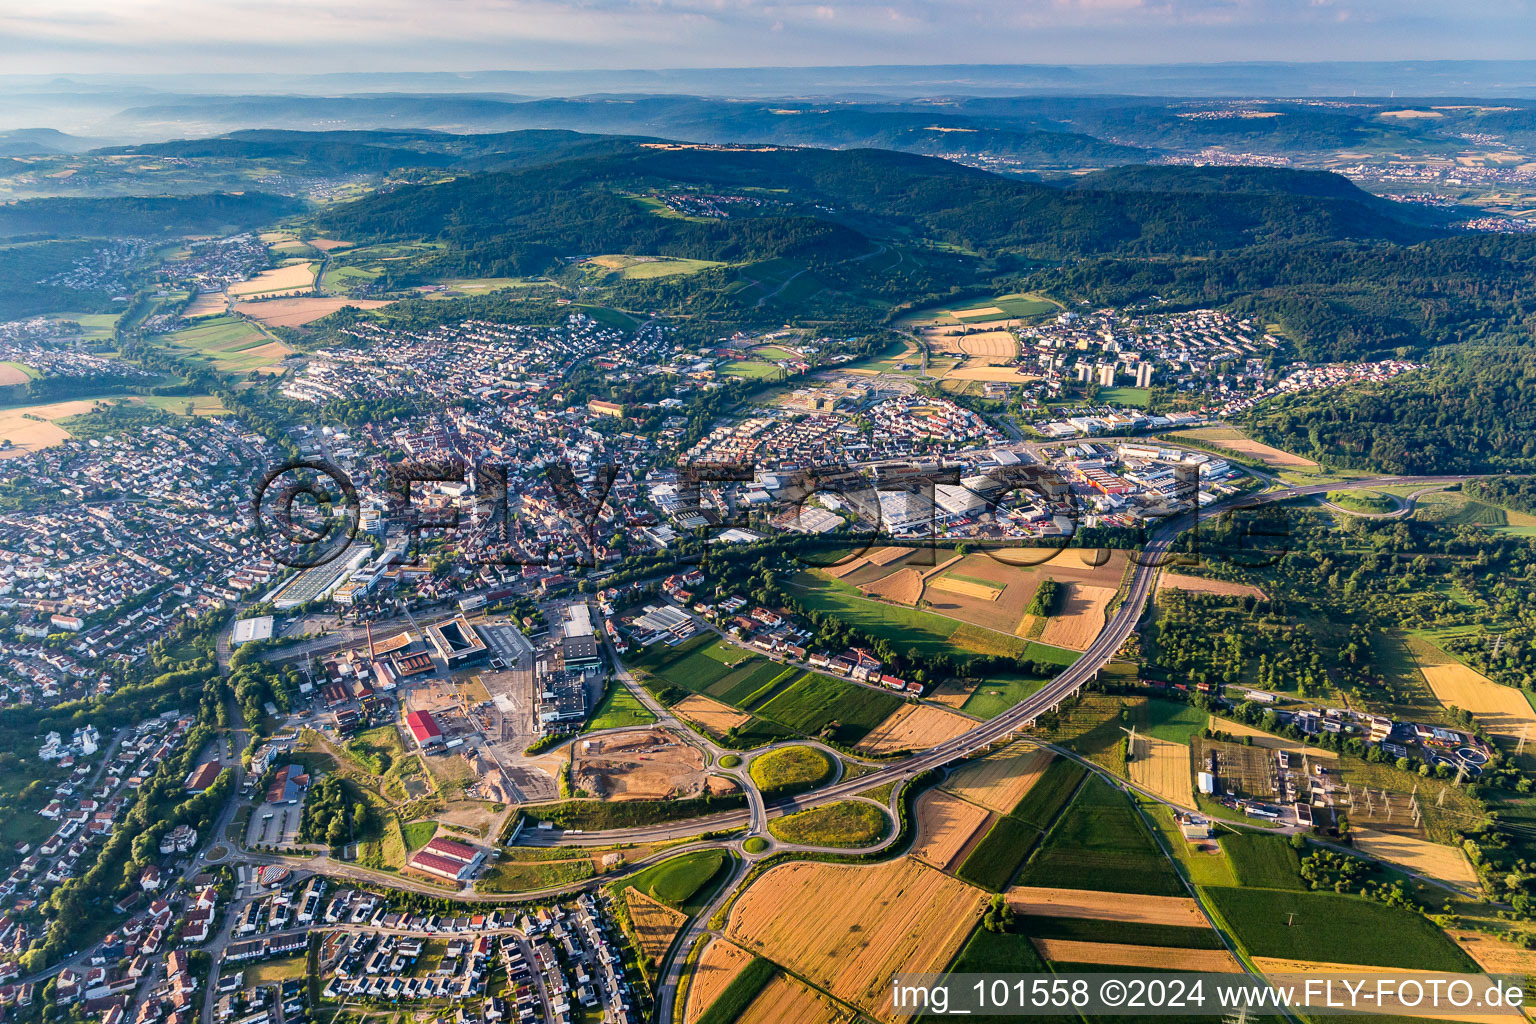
[(169, 36)]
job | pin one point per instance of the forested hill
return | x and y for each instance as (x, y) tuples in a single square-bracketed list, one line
[(148, 216), (579, 205)]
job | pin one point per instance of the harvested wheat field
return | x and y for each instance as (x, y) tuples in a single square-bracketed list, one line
[(1201, 585), (1070, 951), (718, 718), (1106, 906), (1359, 974), (1102, 567), (785, 1000), (1268, 742), (1502, 710), (1443, 863), (1494, 955), (947, 828), (205, 304), (10, 375), (1080, 619), (904, 586), (914, 727), (655, 924), (999, 781), (887, 555), (991, 347), (298, 277), (1224, 438), (298, 312), (1163, 768), (31, 428), (718, 965), (953, 693), (900, 916), (967, 588), (847, 568), (964, 314), (329, 244)]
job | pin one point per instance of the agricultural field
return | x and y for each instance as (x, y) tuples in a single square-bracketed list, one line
[(230, 345), (1326, 927), (1044, 800), (1100, 840), (654, 925), (739, 992), (1000, 780), (814, 703), (1079, 617), (1071, 951), (12, 372), (618, 709), (789, 770), (1206, 585), (914, 727), (298, 312), (947, 829), (1094, 905), (34, 427), (640, 268), (1233, 441), (848, 824), (714, 717), (296, 277), (786, 1000), (1163, 769), (1502, 710), (898, 916), (1447, 864), (1263, 862), (990, 697), (716, 968), (996, 859)]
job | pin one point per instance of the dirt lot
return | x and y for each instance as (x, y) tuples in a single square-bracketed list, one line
[(1080, 619), (1502, 710), (650, 765), (720, 962), (298, 312), (947, 828), (656, 924), (298, 277), (1215, 961), (914, 727), (1163, 768), (887, 918), (785, 1000), (1201, 585), (1446, 863), (999, 781), (718, 718), (1106, 906)]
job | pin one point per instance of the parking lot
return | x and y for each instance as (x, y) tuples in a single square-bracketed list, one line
[(274, 825)]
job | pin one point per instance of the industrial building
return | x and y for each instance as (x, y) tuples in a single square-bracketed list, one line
[(456, 641)]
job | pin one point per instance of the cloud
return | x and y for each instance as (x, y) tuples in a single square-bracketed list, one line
[(145, 36)]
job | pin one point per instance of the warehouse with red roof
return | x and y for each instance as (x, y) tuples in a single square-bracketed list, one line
[(423, 729)]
